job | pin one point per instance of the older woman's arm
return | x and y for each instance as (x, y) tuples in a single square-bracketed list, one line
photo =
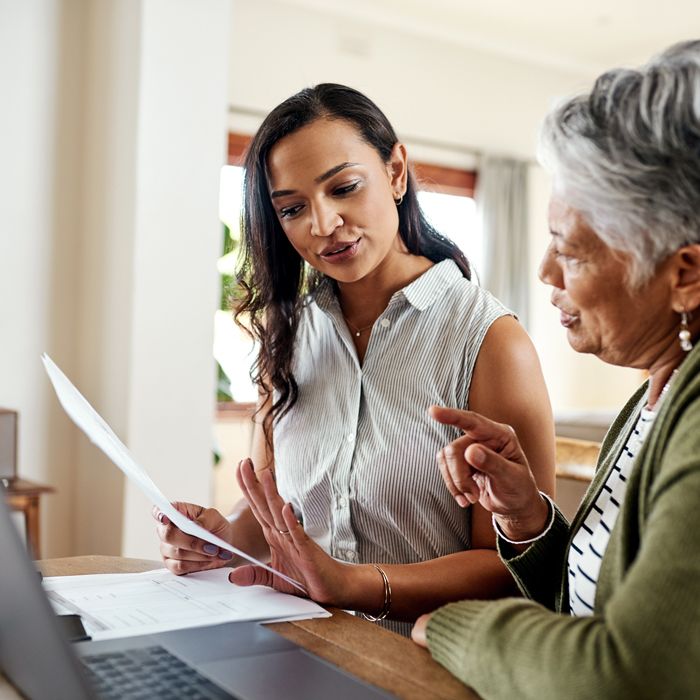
[(645, 645)]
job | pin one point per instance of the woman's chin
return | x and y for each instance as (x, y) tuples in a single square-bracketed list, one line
[(579, 342)]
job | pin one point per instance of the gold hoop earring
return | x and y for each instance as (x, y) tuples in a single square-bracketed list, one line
[(684, 334), (398, 200)]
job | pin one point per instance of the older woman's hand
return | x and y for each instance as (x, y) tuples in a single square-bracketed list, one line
[(418, 633), (183, 553), (292, 551), (487, 465)]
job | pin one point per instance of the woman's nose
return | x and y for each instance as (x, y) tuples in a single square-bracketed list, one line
[(324, 220), (548, 271)]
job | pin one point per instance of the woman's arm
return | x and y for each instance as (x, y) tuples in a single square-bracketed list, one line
[(508, 387), (643, 644)]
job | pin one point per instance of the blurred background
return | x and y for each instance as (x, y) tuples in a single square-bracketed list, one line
[(122, 129)]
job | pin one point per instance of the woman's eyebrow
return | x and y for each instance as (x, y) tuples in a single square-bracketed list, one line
[(336, 169), (321, 178)]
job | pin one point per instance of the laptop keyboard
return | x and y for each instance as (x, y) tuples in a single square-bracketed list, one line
[(150, 672)]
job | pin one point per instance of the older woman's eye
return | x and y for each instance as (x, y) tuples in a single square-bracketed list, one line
[(290, 212), (568, 260)]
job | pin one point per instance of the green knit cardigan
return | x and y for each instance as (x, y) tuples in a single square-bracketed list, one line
[(643, 640)]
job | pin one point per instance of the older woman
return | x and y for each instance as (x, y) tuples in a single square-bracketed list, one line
[(613, 607)]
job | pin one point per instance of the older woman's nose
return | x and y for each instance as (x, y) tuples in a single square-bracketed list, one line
[(324, 220), (549, 271)]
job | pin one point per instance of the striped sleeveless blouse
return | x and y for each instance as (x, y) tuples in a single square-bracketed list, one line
[(356, 454)]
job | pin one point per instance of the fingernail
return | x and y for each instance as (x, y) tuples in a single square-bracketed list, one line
[(164, 519), (210, 549), (225, 555), (461, 500), (477, 456)]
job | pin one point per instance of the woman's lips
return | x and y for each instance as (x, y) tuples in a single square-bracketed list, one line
[(341, 252), (567, 320)]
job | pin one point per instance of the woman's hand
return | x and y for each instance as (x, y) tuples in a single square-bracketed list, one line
[(487, 465), (183, 553), (292, 551), (418, 633)]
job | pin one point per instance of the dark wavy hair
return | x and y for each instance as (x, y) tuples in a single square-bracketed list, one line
[(273, 279)]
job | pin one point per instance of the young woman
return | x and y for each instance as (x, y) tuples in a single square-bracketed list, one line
[(365, 316)]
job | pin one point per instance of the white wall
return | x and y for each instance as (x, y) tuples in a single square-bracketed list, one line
[(429, 89), (39, 127), (115, 135), (436, 92)]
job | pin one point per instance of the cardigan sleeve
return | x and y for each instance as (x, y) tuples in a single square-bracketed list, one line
[(644, 645), (537, 570)]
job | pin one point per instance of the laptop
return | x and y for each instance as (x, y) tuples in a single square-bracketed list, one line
[(243, 660)]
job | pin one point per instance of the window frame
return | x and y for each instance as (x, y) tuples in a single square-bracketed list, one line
[(436, 178)]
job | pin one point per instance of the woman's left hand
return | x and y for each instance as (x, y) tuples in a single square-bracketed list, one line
[(293, 552), (418, 633)]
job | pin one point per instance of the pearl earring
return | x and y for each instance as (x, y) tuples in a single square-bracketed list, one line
[(684, 334)]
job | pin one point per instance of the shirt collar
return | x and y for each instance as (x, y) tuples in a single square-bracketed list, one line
[(421, 293), (432, 284)]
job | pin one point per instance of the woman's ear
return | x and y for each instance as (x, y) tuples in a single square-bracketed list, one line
[(686, 292), (397, 168)]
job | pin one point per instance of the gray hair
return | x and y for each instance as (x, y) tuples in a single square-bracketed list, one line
[(627, 156)]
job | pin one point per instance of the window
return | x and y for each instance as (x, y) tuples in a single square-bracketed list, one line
[(446, 197)]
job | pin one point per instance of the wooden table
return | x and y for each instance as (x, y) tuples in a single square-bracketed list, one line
[(367, 651), (23, 496)]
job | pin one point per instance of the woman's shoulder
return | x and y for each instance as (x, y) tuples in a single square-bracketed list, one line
[(474, 306), (452, 290)]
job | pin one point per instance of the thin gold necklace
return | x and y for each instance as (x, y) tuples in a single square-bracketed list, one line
[(358, 331)]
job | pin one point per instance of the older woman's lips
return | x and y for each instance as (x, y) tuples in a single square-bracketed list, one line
[(567, 320)]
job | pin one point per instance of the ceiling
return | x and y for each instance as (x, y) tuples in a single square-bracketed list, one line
[(584, 37)]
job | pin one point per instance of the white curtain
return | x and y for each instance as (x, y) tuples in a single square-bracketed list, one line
[(501, 200)]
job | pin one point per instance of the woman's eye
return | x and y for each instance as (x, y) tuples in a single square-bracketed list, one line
[(346, 189), (290, 212), (566, 259)]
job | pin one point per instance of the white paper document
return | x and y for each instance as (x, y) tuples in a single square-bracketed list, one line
[(98, 432), (125, 605)]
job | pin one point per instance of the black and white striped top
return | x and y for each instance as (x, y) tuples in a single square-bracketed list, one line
[(356, 454), (591, 540)]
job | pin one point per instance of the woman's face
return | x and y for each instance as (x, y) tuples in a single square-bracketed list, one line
[(602, 314), (334, 198)]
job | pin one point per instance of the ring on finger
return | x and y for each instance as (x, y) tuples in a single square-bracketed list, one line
[(282, 532)]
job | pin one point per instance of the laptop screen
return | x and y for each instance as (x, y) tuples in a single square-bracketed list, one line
[(33, 653)]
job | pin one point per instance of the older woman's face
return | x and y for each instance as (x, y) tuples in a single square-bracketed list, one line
[(601, 313)]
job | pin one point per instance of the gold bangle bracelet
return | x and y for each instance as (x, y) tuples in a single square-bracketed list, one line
[(387, 598)]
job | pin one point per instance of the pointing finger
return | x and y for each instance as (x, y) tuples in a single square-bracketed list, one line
[(467, 421)]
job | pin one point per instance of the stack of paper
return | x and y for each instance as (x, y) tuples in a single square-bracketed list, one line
[(124, 605)]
